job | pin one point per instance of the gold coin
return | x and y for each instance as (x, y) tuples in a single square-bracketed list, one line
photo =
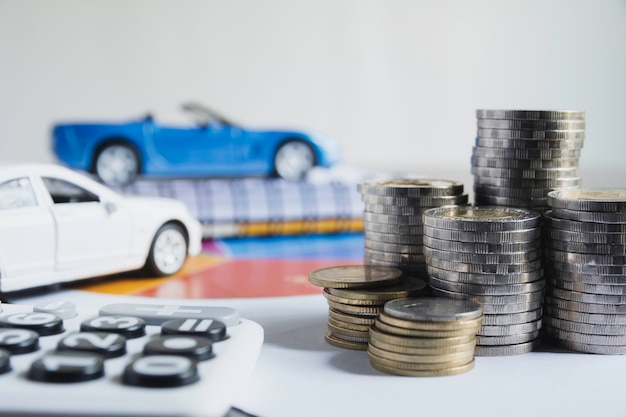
[(355, 276), (352, 301), (351, 318), (422, 373), (458, 358), (424, 351), (346, 332), (463, 325), (349, 326), (401, 331), (410, 286), (355, 309), (416, 366), (338, 341), (413, 342)]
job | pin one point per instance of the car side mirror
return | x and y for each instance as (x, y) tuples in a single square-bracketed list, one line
[(110, 207)]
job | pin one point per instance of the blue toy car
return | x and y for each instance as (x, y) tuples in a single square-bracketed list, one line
[(214, 147)]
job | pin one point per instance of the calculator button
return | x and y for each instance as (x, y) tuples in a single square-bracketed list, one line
[(157, 314), (59, 366), (5, 361), (161, 371), (18, 341), (211, 329), (109, 345), (44, 324), (193, 347), (129, 327), (62, 309)]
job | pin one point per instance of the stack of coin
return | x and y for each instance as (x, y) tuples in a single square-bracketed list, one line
[(356, 294), (490, 255), (425, 337), (392, 218), (585, 261), (521, 155)]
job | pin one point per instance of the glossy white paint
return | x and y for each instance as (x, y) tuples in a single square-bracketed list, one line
[(96, 232)]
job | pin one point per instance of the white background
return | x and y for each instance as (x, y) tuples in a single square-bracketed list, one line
[(396, 82)]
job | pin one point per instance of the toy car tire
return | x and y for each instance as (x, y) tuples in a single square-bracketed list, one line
[(168, 251), (293, 160), (116, 164)]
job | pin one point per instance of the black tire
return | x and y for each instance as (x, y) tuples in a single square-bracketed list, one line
[(168, 251), (293, 159), (116, 164)]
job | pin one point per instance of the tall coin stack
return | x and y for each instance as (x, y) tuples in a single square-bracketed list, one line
[(585, 260), (521, 155), (392, 219), (490, 255), (356, 295), (425, 337)]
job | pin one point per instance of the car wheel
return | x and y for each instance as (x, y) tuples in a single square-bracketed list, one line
[(168, 251), (117, 164), (293, 160)]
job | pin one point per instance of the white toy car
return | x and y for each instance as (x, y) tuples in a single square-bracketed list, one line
[(57, 225)]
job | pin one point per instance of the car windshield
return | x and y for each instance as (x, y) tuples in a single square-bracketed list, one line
[(205, 116)]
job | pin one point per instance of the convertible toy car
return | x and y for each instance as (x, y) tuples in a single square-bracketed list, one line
[(58, 225), (214, 147)]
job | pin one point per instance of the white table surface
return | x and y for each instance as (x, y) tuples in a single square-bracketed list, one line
[(299, 374)]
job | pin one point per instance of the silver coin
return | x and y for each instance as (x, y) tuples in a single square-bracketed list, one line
[(510, 329), (538, 205), (592, 339), (430, 309), (414, 202), (547, 173), (482, 278), (597, 349), (414, 220), (582, 227), (523, 139), (481, 268), (490, 299), (417, 269), (394, 247), (589, 199), (585, 248), (398, 229), (485, 289), (522, 183), (512, 318), (531, 114), (586, 259), (525, 153), (582, 297), (501, 309), (484, 237), (587, 278), (530, 124), (590, 216), (483, 258), (490, 162), (585, 307), (401, 258), (533, 194), (481, 219), (506, 340), (586, 237), (397, 210), (587, 288), (589, 318), (394, 238), (507, 350), (410, 187), (472, 247), (502, 279)]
